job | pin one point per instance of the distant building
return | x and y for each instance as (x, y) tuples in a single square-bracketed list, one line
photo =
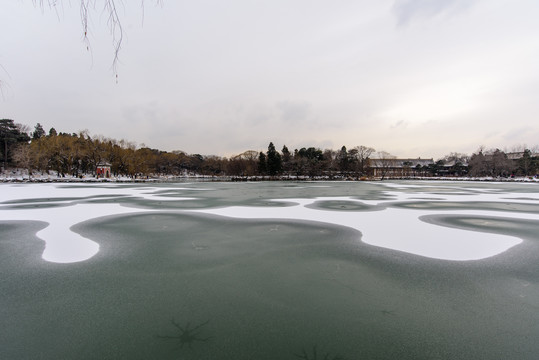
[(519, 155), (103, 170), (389, 167), (399, 167)]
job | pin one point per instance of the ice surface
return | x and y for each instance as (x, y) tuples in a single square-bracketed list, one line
[(402, 229), (397, 229), (63, 245), (393, 228)]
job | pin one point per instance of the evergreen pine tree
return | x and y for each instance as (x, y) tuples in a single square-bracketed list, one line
[(274, 163), (262, 166), (38, 132)]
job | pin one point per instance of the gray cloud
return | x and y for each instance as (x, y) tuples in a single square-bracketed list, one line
[(294, 112), (399, 124), (215, 78), (407, 11), (517, 134)]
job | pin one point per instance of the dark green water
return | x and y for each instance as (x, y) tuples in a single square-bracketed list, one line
[(194, 286)]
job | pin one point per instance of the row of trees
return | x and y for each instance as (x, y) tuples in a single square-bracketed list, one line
[(309, 162), (498, 163), (78, 154), (364, 161), (12, 135)]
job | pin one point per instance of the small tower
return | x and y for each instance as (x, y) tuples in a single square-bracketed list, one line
[(103, 170)]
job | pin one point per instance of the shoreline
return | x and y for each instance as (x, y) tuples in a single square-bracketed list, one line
[(179, 179), (21, 176)]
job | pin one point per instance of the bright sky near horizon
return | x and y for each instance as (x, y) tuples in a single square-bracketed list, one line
[(416, 78)]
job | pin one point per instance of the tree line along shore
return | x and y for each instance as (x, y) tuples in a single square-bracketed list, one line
[(79, 155)]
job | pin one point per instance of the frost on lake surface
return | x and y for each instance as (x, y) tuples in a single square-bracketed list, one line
[(277, 270), (378, 216)]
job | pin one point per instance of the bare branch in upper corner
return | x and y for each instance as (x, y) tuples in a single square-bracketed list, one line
[(114, 23)]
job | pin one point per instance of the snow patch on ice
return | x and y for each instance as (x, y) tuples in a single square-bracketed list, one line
[(392, 228), (61, 244), (402, 229)]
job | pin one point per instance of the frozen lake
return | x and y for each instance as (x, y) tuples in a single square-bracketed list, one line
[(280, 270)]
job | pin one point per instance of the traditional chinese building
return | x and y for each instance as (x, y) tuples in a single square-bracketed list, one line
[(103, 170), (392, 167)]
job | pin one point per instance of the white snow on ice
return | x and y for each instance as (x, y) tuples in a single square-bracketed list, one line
[(397, 229), (392, 228), (61, 244)]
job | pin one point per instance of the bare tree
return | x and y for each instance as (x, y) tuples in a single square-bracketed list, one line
[(383, 164), (244, 164), (362, 155), (491, 163), (500, 164), (23, 157), (478, 164)]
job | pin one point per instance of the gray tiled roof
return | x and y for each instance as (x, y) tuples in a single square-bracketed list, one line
[(400, 163)]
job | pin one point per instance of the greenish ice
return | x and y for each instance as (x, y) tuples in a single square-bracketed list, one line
[(190, 273)]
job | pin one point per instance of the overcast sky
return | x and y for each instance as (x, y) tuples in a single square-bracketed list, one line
[(416, 78)]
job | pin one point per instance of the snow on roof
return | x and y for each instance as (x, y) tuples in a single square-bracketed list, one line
[(399, 163)]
